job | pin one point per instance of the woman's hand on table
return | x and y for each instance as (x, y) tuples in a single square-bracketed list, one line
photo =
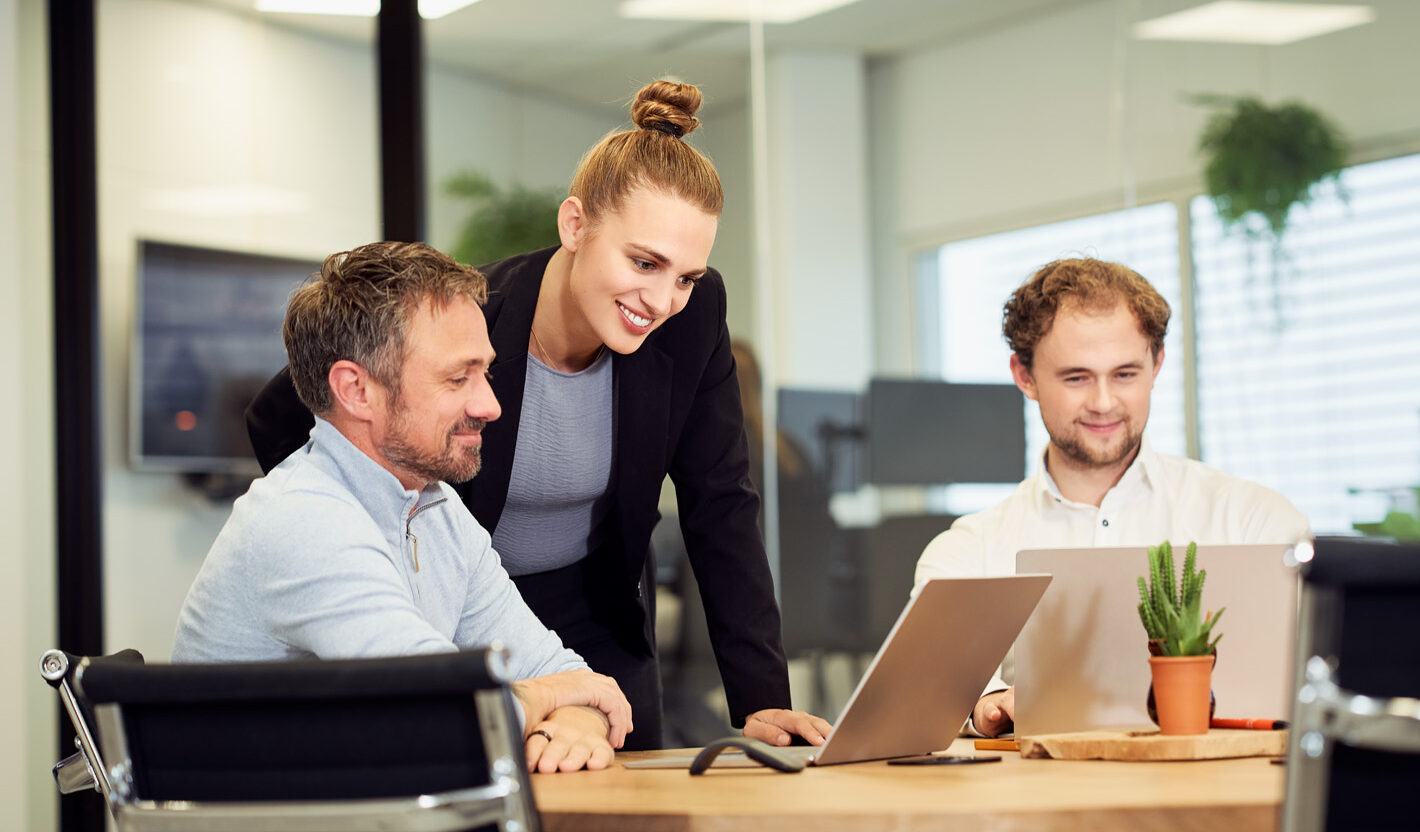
[(778, 726)]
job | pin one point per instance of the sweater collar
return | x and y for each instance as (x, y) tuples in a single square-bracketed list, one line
[(376, 489)]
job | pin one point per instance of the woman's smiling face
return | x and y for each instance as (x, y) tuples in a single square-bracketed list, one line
[(636, 267)]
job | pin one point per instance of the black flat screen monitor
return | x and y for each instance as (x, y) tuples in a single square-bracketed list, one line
[(826, 425), (925, 432), (207, 336)]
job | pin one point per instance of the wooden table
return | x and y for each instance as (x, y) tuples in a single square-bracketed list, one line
[(1014, 794)]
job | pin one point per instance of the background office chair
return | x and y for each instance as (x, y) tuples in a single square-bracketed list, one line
[(420, 742), (1354, 758)]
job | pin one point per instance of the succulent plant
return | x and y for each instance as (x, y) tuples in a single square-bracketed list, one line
[(1171, 606)]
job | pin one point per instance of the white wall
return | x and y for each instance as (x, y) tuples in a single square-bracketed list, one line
[(14, 682), (194, 100), (474, 123), (725, 138), (27, 615), (818, 173)]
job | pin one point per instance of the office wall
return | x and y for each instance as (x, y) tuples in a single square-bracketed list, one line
[(725, 138), (818, 173), (472, 123), (201, 110), (13, 679), (28, 735)]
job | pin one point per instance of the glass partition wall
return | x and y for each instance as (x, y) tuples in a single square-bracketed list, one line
[(245, 140)]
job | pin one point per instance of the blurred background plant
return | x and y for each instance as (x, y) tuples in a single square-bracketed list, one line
[(504, 221), (1265, 160), (1402, 521)]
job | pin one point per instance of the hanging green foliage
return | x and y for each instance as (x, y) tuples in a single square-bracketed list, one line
[(1266, 159), (504, 222)]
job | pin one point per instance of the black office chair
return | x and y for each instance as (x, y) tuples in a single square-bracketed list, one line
[(891, 551), (1354, 755), (411, 743)]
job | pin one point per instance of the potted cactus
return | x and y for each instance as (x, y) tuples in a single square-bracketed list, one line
[(1181, 640)]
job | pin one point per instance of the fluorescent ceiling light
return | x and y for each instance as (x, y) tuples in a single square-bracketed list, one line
[(1240, 21), (428, 9), (435, 9), (237, 201), (769, 11), (354, 8)]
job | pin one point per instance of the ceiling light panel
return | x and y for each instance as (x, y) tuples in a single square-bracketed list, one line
[(769, 11), (428, 9), (355, 8), (1237, 21)]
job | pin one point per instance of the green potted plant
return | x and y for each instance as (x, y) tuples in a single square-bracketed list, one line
[(1261, 161), (505, 221), (1402, 522), (1181, 640)]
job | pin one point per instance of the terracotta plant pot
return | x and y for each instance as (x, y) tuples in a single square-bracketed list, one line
[(1182, 692), (1156, 649)]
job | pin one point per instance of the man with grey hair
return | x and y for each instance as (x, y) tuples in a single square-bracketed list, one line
[(354, 546)]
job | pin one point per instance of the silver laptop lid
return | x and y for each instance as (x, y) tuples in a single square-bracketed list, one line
[(929, 672), (1081, 663)]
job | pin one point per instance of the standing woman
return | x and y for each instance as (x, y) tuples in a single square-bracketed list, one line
[(613, 370)]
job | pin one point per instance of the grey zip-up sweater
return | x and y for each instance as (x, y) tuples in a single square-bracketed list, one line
[(329, 556)]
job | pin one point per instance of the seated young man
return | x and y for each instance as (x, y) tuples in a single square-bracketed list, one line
[(353, 547), (1087, 341)]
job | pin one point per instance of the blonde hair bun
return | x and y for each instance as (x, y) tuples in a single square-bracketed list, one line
[(667, 107), (628, 160)]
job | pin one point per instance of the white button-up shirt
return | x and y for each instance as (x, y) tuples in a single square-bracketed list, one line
[(1159, 498)]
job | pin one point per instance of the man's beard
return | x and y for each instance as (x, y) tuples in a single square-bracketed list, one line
[(1084, 456), (450, 465)]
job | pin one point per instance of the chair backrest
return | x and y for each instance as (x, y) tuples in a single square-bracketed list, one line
[(313, 738), (889, 563), (83, 770), (1354, 756)]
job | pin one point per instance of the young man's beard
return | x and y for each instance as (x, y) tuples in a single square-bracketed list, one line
[(1082, 455)]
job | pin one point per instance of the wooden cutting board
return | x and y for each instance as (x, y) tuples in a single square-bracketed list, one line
[(1217, 744)]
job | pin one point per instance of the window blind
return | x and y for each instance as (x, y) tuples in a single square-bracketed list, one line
[(1309, 367)]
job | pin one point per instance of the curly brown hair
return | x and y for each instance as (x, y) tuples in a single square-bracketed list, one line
[(1094, 285), (358, 308)]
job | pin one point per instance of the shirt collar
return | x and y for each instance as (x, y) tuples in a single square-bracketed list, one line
[(1141, 475)]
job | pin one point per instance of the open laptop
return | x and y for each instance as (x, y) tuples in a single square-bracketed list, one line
[(1082, 660), (926, 677)]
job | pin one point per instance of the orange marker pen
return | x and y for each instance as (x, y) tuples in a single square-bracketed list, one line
[(1254, 724), (997, 745)]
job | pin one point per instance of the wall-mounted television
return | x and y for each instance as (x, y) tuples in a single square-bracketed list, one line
[(207, 336)]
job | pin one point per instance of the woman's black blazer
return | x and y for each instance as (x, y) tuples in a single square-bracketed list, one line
[(678, 413)]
